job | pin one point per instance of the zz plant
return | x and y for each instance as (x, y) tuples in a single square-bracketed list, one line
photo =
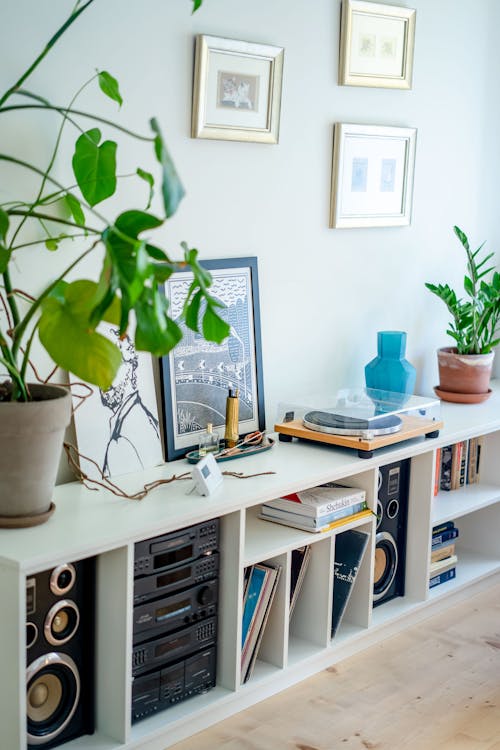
[(66, 313), (475, 320)]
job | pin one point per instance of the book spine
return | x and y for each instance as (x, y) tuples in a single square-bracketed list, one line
[(300, 503), (442, 552), (443, 527), (343, 513), (446, 458), (437, 471), (310, 522), (444, 536), (472, 458), (441, 565), (456, 463), (446, 575)]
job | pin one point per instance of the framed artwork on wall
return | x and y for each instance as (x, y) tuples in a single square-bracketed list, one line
[(376, 45), (372, 175), (237, 90), (197, 375)]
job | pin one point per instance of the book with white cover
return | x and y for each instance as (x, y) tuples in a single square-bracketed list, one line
[(319, 501)]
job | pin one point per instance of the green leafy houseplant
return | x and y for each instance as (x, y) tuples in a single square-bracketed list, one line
[(475, 320), (65, 314)]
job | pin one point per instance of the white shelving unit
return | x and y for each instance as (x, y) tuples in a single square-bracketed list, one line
[(98, 524)]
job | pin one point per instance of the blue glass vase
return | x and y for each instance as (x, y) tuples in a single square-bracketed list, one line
[(389, 370)]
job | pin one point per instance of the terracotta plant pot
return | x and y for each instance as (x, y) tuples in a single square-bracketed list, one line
[(31, 439), (464, 373)]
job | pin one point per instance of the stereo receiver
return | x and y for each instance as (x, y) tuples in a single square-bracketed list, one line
[(175, 611), (153, 586), (149, 655), (173, 549)]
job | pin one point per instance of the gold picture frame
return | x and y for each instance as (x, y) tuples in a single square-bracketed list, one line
[(376, 45), (372, 176), (237, 90)]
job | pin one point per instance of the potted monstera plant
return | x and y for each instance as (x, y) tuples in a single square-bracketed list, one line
[(66, 312), (465, 368)]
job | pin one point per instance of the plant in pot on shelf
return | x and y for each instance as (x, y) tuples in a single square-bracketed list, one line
[(65, 313), (465, 368)]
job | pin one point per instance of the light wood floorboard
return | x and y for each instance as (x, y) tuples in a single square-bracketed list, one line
[(436, 685)]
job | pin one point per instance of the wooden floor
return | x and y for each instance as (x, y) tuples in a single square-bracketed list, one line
[(435, 686)]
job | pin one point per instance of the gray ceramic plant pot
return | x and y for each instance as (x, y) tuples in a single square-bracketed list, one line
[(31, 439)]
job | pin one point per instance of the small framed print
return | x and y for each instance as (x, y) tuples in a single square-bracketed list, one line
[(376, 45), (372, 176), (237, 90), (197, 374)]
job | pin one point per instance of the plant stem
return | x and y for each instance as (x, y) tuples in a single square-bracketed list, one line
[(48, 217), (78, 113)]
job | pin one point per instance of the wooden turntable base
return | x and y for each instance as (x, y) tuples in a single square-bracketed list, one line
[(412, 427)]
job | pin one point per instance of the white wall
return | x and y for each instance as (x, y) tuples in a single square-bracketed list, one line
[(324, 292)]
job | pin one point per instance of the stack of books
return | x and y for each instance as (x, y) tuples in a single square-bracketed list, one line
[(443, 557), (260, 583), (458, 464), (317, 509)]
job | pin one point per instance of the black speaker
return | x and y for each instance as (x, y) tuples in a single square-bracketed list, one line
[(390, 539), (60, 615)]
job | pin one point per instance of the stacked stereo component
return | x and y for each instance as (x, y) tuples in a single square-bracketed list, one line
[(175, 617), (60, 653)]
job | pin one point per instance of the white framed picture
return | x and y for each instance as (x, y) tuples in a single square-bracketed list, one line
[(376, 45), (372, 175), (237, 90)]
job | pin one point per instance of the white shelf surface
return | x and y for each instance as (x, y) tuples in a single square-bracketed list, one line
[(471, 566), (456, 503), (393, 610), (266, 539), (300, 650), (96, 521)]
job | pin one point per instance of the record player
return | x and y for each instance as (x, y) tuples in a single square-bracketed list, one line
[(363, 419)]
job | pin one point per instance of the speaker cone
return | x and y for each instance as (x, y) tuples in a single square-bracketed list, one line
[(52, 694), (61, 622), (386, 563)]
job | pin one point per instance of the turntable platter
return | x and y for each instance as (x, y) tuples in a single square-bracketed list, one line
[(341, 424)]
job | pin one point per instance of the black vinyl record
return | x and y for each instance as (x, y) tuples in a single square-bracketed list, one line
[(342, 424)]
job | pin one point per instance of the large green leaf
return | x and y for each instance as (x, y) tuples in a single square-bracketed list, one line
[(132, 223), (155, 331), (83, 296), (214, 327), (109, 86), (94, 166), (172, 189), (70, 341), (129, 266)]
